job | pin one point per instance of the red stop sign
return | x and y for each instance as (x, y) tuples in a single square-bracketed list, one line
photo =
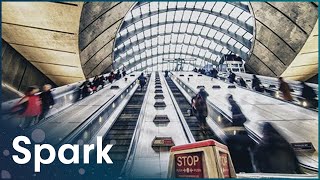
[(189, 165)]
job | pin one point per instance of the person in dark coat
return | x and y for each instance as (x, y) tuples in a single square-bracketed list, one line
[(85, 88), (95, 83), (195, 70), (256, 84), (142, 80), (118, 75), (274, 154), (238, 118), (102, 80), (47, 100), (111, 77), (166, 73), (232, 77), (124, 71), (242, 82), (214, 73), (200, 109)]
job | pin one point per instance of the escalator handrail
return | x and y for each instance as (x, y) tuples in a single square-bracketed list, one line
[(136, 134), (208, 102), (180, 115), (72, 135)]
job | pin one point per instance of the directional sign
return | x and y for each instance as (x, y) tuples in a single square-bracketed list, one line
[(189, 165)]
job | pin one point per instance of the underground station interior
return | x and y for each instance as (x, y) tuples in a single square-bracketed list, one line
[(134, 74)]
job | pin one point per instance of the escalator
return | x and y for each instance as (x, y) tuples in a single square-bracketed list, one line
[(122, 131), (238, 144), (192, 121)]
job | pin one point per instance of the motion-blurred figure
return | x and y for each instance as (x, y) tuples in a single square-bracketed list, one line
[(124, 71), (195, 70), (238, 118), (111, 77), (284, 88), (102, 80), (47, 100), (274, 154), (118, 75), (29, 107), (142, 80), (309, 94), (214, 73), (85, 88), (242, 83), (95, 83), (231, 77), (166, 73), (256, 84), (200, 109)]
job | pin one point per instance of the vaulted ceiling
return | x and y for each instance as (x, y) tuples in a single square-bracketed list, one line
[(70, 41)]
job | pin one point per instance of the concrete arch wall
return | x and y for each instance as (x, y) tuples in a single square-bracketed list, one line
[(46, 34), (282, 29), (18, 73), (98, 27), (68, 41)]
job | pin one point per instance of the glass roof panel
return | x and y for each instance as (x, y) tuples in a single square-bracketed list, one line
[(201, 30)]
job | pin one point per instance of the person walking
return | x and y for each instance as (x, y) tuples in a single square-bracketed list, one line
[(284, 88), (142, 80), (47, 100), (28, 107)]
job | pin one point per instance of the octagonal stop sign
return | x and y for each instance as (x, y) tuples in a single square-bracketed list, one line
[(203, 159)]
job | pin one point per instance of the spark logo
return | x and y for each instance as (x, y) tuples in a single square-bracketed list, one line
[(101, 153)]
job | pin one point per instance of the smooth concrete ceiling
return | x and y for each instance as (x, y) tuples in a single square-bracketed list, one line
[(46, 34), (66, 48)]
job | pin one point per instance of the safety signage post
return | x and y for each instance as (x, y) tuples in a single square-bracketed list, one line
[(203, 159)]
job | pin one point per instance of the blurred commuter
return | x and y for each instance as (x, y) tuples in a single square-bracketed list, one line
[(256, 84), (85, 88), (284, 88), (95, 83), (214, 73), (238, 118), (199, 108), (203, 93), (29, 107), (142, 80), (118, 75), (166, 73), (195, 69), (102, 81), (47, 100), (231, 77), (242, 82), (309, 94), (274, 154), (124, 71), (111, 77)]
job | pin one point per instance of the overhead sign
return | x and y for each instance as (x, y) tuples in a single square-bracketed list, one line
[(189, 165)]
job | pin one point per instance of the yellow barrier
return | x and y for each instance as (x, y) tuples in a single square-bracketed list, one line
[(203, 159)]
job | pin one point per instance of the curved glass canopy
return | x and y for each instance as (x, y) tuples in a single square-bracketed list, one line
[(156, 36)]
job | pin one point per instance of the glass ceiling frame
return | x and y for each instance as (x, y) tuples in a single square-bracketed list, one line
[(139, 33)]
